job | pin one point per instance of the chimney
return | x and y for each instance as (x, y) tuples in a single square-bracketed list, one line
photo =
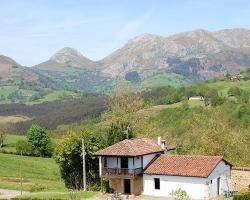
[(161, 142)]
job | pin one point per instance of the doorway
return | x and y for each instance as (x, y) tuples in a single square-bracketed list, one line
[(127, 185), (124, 162)]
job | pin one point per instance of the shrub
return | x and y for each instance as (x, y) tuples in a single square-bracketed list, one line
[(106, 185), (2, 136), (179, 194), (242, 196), (24, 147)]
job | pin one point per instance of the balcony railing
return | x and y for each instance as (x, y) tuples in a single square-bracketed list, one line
[(121, 172)]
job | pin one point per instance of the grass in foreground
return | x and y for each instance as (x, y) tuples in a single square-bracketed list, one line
[(57, 195), (39, 174)]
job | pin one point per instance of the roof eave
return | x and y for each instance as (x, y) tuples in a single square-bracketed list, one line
[(134, 155)]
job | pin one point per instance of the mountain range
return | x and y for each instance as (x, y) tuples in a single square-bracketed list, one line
[(194, 55)]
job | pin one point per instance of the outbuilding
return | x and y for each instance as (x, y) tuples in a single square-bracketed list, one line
[(201, 177)]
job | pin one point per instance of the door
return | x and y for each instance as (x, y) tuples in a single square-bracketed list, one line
[(218, 186), (124, 162), (127, 186)]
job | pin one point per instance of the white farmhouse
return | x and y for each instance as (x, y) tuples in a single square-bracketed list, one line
[(196, 98), (144, 166)]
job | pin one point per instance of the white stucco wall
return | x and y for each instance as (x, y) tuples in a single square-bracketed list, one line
[(223, 171), (196, 187)]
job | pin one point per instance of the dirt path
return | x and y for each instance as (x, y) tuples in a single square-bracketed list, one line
[(8, 194)]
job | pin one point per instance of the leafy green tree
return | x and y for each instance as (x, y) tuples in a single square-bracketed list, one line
[(39, 139), (68, 154), (117, 133)]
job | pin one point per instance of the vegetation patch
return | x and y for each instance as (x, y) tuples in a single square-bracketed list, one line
[(57, 195)]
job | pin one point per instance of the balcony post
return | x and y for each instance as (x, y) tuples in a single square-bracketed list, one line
[(100, 166)]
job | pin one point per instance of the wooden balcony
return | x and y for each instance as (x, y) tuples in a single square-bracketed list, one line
[(121, 172)]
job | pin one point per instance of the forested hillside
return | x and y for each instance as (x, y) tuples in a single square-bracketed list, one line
[(213, 126), (52, 114)]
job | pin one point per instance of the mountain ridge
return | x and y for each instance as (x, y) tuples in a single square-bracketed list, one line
[(194, 55)]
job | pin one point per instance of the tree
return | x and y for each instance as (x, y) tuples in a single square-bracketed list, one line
[(209, 134), (40, 141), (2, 136), (68, 154), (116, 132)]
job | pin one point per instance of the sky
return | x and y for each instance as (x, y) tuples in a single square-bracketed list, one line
[(33, 30)]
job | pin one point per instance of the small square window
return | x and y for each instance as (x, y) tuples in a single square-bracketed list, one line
[(157, 183)]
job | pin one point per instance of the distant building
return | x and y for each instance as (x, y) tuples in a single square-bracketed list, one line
[(196, 98), (144, 166)]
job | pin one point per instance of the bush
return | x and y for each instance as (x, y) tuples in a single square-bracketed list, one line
[(106, 186), (242, 196), (179, 194), (39, 139), (24, 147)]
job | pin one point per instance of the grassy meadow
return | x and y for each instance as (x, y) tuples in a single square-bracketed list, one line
[(39, 174), (224, 86)]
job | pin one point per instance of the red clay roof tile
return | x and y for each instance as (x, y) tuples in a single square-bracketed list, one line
[(131, 147), (183, 165)]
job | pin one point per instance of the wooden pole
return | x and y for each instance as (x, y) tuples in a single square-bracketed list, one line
[(83, 166)]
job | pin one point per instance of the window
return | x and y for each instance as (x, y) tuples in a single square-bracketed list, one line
[(105, 163), (157, 183)]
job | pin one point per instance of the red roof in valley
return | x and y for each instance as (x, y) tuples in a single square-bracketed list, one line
[(131, 147), (182, 165)]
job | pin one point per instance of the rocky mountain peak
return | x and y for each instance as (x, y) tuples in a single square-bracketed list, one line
[(66, 54), (145, 37)]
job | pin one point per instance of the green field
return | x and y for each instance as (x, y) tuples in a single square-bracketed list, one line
[(53, 96), (165, 79), (39, 174), (224, 86), (156, 109), (10, 143)]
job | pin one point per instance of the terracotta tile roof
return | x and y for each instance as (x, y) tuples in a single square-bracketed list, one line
[(131, 147), (182, 165)]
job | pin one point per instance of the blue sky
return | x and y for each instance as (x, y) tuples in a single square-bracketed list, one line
[(32, 30)]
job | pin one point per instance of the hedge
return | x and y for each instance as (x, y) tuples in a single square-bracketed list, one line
[(242, 196)]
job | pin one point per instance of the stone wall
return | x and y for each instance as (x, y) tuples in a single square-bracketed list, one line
[(240, 178)]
